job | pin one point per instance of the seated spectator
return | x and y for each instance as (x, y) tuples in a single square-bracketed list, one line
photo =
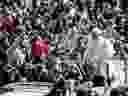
[(98, 80), (4, 76), (115, 92)]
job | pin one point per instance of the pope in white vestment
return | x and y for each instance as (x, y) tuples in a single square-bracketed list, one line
[(100, 48)]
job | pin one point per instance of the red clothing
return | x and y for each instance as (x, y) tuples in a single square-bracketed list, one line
[(7, 24), (39, 48)]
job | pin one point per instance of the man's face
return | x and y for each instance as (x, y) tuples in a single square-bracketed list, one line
[(94, 35), (7, 24), (108, 33)]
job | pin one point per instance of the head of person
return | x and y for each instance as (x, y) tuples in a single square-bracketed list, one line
[(96, 32)]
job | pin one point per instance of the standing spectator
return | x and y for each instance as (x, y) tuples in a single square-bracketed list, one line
[(20, 56), (39, 49)]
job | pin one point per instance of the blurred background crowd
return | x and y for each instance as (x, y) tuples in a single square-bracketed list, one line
[(66, 25)]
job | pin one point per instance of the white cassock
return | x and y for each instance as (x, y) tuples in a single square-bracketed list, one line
[(19, 55), (102, 49)]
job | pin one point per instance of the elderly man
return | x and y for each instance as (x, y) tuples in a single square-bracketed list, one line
[(99, 50)]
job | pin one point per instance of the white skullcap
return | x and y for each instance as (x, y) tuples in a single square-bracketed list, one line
[(97, 30)]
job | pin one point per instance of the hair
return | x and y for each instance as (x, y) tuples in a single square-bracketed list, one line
[(113, 3)]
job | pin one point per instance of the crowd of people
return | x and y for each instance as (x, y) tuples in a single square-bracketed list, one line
[(71, 28)]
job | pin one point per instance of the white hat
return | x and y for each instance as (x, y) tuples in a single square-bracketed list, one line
[(97, 30)]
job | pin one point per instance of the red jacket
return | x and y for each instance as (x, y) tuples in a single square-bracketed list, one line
[(39, 48)]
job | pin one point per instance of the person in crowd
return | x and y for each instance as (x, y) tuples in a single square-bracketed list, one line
[(113, 89), (20, 56), (60, 84), (4, 75), (39, 49), (3, 47), (26, 46), (95, 81)]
